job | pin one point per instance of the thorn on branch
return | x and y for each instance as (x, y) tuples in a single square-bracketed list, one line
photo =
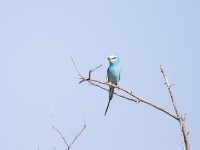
[(184, 119), (172, 85), (188, 132)]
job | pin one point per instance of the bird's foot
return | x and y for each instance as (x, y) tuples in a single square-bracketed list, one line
[(118, 86), (109, 83)]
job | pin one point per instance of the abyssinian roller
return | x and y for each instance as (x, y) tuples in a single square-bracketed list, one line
[(113, 75)]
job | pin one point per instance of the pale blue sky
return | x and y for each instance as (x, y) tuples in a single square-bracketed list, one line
[(37, 39)]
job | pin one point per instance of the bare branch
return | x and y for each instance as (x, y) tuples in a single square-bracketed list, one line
[(79, 133), (180, 118), (61, 135), (96, 68), (87, 79), (170, 92), (185, 135), (93, 70), (76, 67)]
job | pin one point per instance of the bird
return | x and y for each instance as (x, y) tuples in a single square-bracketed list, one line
[(113, 75)]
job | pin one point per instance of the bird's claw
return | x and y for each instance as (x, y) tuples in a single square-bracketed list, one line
[(118, 86)]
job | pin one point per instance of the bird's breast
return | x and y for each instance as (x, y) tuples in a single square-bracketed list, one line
[(114, 74)]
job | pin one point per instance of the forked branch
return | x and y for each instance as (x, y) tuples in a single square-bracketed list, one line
[(64, 139), (180, 118)]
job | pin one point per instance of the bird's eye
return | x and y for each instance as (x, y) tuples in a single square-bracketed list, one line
[(113, 57)]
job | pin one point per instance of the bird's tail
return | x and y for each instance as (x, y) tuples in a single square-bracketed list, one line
[(111, 92)]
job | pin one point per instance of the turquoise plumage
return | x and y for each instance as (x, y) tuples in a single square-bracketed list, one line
[(113, 74)]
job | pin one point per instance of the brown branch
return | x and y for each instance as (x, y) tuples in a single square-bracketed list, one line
[(139, 99), (87, 79), (170, 92), (131, 99), (180, 118), (94, 70)]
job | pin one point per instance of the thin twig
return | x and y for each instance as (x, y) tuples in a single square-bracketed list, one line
[(62, 137), (87, 79), (93, 70), (54, 135), (75, 138), (79, 133), (76, 67), (71, 134)]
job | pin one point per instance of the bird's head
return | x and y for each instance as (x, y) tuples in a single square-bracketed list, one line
[(113, 59)]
